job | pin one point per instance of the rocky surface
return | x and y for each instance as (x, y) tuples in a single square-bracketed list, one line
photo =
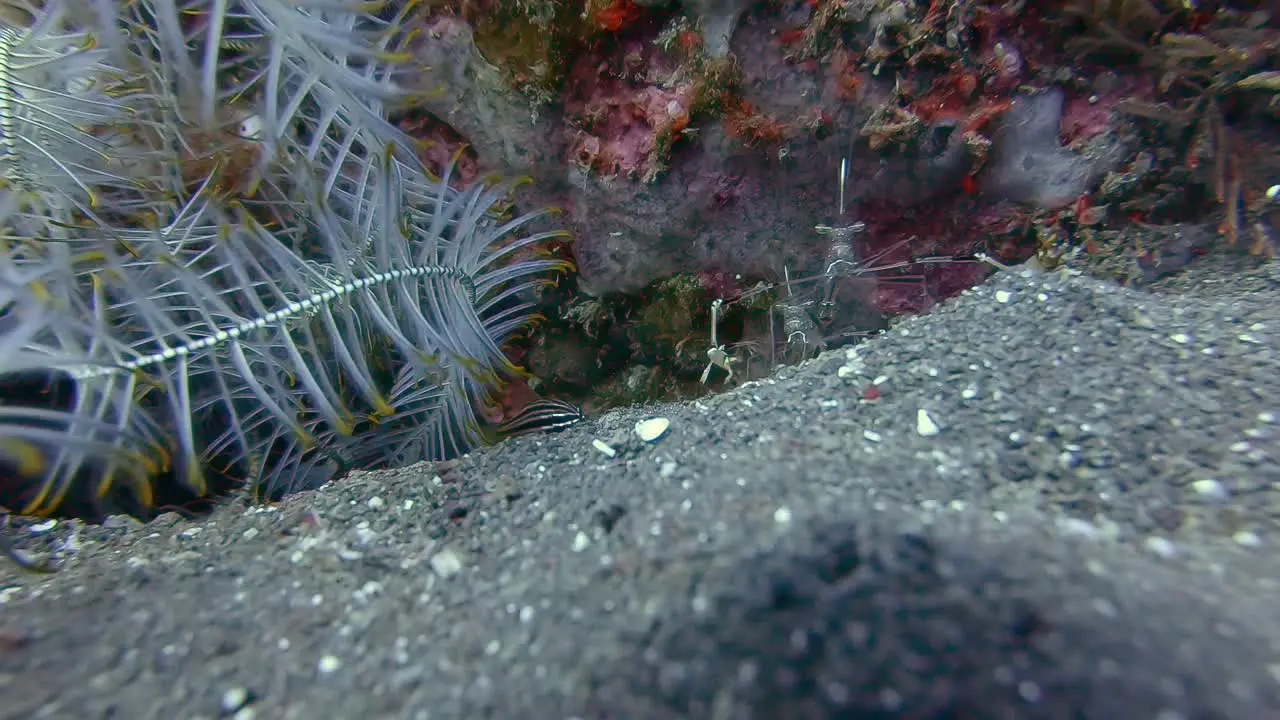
[(1049, 498), (672, 154)]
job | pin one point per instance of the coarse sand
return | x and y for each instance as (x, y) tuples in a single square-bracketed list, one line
[(1063, 503)]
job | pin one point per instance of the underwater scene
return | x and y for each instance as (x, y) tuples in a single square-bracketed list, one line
[(714, 359)]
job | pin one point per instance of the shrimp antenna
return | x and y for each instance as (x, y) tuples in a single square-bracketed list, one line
[(844, 173)]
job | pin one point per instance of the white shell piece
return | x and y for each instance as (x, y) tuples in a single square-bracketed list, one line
[(652, 429), (603, 447)]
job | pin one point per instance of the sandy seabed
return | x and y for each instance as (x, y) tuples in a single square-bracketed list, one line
[(1063, 505)]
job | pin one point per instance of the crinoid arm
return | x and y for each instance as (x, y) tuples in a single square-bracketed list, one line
[(224, 341), (311, 78), (62, 99)]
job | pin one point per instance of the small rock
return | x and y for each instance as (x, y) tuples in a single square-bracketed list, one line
[(1077, 526), (1161, 546), (1245, 538), (446, 563), (233, 699), (1027, 162), (1210, 488)]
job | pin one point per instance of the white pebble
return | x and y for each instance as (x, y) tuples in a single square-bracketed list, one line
[(1003, 296), (328, 664), (782, 516), (375, 503), (1077, 526), (652, 429), (581, 542), (1180, 338), (446, 563), (871, 436), (925, 425), (604, 448), (1210, 488), (1030, 691), (1161, 546), (233, 699), (1245, 538)]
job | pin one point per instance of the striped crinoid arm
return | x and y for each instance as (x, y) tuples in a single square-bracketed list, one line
[(221, 343), (400, 216)]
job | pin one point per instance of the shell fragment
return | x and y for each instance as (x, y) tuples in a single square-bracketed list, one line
[(925, 424), (604, 448), (652, 429)]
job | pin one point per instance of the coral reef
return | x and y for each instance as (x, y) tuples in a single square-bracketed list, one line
[(1028, 164), (711, 138), (718, 19), (459, 87)]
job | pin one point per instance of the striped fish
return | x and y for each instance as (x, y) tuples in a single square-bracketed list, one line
[(547, 415)]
